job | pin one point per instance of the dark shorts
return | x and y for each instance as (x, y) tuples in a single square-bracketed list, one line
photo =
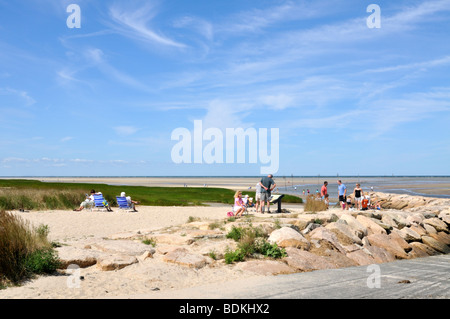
[(342, 198)]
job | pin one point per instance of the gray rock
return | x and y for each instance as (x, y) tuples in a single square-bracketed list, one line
[(115, 262), (346, 235), (321, 233), (182, 256), (420, 250), (266, 267), (380, 255), (310, 227), (288, 237), (69, 255), (436, 245), (121, 247), (388, 220), (386, 242), (408, 234), (306, 261), (361, 257), (359, 229), (438, 224), (372, 226)]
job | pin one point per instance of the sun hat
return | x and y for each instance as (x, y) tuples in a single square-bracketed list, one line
[(122, 194)]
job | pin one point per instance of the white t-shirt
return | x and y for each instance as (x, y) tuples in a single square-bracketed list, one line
[(258, 188)]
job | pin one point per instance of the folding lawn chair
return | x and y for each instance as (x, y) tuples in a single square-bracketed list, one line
[(99, 202), (123, 204)]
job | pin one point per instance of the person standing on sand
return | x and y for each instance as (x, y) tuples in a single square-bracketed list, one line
[(342, 192), (258, 198), (267, 184)]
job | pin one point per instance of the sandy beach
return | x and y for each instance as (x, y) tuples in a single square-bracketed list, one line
[(151, 278)]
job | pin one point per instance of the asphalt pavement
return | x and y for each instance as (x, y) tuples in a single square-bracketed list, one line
[(423, 278)]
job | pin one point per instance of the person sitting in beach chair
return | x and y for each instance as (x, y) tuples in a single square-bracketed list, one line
[(87, 203), (250, 202), (239, 206), (125, 202), (101, 202)]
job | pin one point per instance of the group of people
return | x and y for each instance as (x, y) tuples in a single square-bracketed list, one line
[(89, 202), (263, 193), (361, 199)]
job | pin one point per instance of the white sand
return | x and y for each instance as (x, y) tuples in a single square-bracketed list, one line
[(68, 227), (135, 280)]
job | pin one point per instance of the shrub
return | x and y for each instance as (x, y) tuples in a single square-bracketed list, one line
[(149, 241), (251, 240), (235, 233), (42, 261), (24, 251), (213, 255), (192, 219), (233, 256), (314, 204), (214, 225), (271, 250)]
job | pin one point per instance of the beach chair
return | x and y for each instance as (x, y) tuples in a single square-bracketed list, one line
[(123, 204), (99, 202), (244, 213)]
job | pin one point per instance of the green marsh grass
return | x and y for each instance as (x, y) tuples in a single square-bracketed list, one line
[(36, 195)]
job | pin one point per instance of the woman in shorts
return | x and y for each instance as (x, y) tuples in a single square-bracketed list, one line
[(358, 195)]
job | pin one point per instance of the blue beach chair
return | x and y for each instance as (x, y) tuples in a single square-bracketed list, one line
[(123, 204), (100, 202)]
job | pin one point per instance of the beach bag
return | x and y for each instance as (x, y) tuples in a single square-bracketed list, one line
[(230, 214)]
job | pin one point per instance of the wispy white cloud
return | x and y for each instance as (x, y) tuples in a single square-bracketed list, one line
[(278, 102), (201, 26), (258, 19), (66, 139), (23, 95), (415, 66), (125, 130), (96, 57), (134, 23), (380, 116)]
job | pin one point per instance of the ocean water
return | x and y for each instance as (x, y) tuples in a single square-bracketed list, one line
[(428, 186)]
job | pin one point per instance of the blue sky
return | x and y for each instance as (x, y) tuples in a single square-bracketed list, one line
[(104, 99)]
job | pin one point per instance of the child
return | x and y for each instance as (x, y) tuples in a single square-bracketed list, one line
[(349, 203), (365, 203), (326, 200)]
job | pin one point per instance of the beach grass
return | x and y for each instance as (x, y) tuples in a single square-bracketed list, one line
[(24, 250), (36, 195), (314, 204)]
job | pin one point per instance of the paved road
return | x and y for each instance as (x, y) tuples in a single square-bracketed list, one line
[(418, 278)]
